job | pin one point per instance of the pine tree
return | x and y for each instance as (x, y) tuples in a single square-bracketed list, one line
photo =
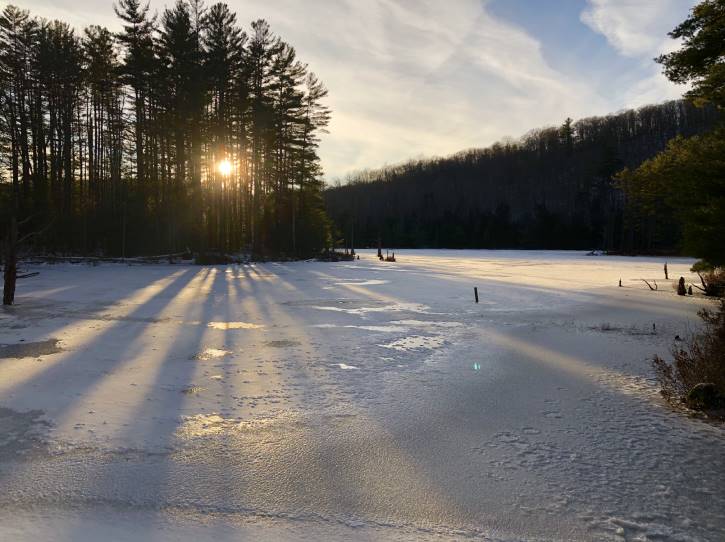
[(137, 68)]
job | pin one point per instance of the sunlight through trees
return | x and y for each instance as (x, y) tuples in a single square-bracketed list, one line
[(180, 131)]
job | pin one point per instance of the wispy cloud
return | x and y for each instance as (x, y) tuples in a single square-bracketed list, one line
[(638, 29), (425, 78), (635, 27)]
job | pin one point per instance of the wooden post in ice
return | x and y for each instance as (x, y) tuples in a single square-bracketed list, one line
[(475, 293)]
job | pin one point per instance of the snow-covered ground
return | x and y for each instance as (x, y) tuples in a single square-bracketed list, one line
[(359, 400)]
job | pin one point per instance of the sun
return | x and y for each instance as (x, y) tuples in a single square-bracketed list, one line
[(224, 167)]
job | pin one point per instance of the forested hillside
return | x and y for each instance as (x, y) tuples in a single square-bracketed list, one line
[(552, 189), (180, 131)]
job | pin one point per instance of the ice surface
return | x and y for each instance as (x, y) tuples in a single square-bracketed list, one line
[(233, 325), (359, 400), (415, 342), (211, 353)]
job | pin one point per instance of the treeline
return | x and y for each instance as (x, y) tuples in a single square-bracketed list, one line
[(180, 131), (552, 189)]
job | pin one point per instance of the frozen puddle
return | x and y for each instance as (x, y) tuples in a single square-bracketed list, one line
[(233, 325), (29, 350), (415, 342), (211, 353)]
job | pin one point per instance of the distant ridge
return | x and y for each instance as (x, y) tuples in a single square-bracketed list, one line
[(551, 189)]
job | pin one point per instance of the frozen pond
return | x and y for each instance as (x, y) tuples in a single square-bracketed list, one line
[(358, 400)]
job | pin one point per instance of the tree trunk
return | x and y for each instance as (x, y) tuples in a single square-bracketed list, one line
[(11, 263)]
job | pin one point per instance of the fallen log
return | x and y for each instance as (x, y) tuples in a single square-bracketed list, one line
[(105, 259)]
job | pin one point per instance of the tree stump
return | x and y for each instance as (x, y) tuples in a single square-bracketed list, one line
[(681, 289)]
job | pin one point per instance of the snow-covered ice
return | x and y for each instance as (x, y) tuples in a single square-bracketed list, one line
[(358, 400)]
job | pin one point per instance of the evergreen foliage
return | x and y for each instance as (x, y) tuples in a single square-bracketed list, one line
[(701, 59), (687, 180)]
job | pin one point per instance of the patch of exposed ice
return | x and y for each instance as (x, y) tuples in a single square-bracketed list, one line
[(415, 342), (233, 325), (211, 353)]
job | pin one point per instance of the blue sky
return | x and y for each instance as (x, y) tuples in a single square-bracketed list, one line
[(414, 78)]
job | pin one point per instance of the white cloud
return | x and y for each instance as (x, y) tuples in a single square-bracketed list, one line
[(636, 28)]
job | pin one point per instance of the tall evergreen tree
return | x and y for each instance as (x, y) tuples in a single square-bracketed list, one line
[(138, 65)]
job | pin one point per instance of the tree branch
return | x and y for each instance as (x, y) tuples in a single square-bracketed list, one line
[(32, 234), (649, 285)]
